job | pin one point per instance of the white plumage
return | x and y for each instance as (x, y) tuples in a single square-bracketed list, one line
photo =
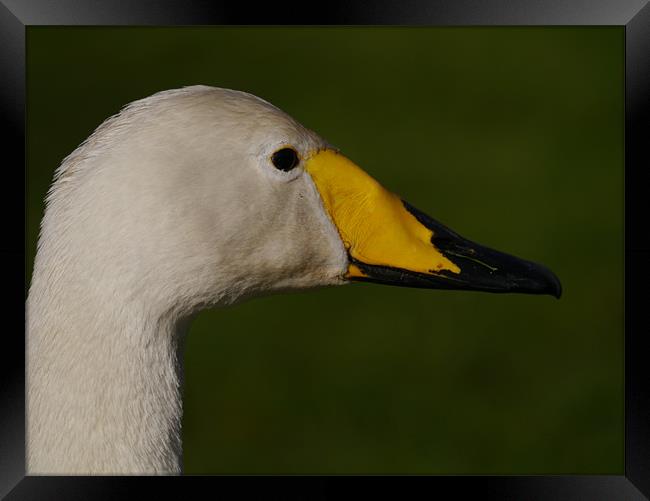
[(170, 207)]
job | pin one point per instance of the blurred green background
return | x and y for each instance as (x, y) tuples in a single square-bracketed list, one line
[(511, 136)]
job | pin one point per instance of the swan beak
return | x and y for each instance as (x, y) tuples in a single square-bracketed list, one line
[(388, 241)]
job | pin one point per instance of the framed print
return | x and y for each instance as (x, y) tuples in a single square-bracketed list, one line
[(519, 126)]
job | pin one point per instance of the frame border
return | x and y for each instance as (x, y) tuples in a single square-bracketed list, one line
[(634, 15)]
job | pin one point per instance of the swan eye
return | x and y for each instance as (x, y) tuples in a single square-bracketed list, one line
[(285, 159)]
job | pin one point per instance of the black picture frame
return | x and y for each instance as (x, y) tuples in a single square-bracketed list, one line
[(634, 15)]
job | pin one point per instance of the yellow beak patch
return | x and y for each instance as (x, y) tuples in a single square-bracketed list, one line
[(373, 224)]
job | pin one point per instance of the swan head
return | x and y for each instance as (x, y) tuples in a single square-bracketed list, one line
[(202, 196)]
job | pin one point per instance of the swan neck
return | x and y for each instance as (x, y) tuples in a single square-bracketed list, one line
[(104, 385)]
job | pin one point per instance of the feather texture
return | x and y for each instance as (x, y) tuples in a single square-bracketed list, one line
[(169, 207)]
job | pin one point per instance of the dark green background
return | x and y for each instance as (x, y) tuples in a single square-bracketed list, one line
[(511, 136)]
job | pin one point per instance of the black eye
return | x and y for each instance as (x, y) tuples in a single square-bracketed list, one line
[(285, 159)]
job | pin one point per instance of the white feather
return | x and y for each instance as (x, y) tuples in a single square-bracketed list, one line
[(169, 207)]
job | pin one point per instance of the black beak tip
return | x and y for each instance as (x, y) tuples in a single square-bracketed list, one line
[(549, 283), (556, 288)]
